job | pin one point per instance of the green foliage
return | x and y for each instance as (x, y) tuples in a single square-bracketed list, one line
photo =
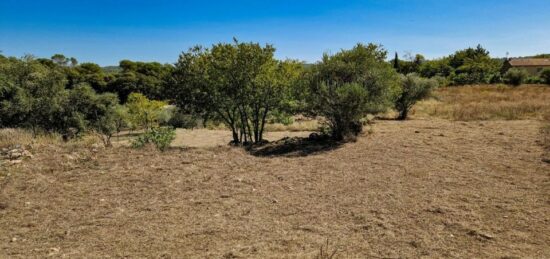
[(349, 85), (179, 119), (468, 66), (239, 84), (473, 66), (545, 75), (143, 112), (87, 110), (282, 117), (515, 76), (88, 73), (161, 137), (34, 96), (147, 78), (345, 106), (414, 89), (436, 67), (409, 65), (533, 80), (121, 118)]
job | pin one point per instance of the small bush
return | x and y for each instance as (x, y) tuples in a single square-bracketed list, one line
[(441, 81), (414, 89), (533, 80), (161, 137), (182, 120), (281, 117), (515, 76), (545, 75), (343, 107)]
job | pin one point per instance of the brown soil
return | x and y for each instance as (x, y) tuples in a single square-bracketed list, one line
[(411, 189)]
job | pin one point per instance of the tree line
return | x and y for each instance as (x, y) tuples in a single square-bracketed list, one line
[(239, 84), (469, 66)]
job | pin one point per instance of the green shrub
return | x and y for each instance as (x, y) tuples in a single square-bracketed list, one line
[(161, 137), (545, 75), (533, 80), (414, 89), (181, 120), (281, 117), (345, 107), (515, 76), (441, 81), (347, 86)]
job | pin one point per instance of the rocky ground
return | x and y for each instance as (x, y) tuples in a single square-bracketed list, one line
[(420, 188), (14, 155)]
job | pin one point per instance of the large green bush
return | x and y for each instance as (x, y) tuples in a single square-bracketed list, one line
[(34, 95), (239, 84), (515, 76), (347, 86)]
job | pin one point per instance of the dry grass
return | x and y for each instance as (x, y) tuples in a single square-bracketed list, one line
[(487, 102), (10, 137), (298, 125), (413, 189), (545, 132)]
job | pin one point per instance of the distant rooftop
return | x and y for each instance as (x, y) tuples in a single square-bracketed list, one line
[(530, 62)]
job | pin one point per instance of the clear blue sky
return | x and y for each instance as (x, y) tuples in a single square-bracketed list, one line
[(107, 31)]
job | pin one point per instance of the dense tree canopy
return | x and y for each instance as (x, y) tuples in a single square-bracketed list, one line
[(239, 84)]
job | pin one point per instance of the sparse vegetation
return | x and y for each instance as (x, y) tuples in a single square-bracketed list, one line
[(161, 137)]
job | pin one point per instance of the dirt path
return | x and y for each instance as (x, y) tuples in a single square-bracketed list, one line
[(412, 189)]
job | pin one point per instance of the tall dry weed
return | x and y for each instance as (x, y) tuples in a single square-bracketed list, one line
[(10, 137)]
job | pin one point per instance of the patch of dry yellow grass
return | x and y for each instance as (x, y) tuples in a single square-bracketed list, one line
[(545, 131), (10, 137), (487, 102), (302, 125)]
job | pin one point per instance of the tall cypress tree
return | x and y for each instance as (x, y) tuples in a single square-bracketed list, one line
[(396, 62)]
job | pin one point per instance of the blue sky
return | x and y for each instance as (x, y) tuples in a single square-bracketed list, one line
[(105, 32)]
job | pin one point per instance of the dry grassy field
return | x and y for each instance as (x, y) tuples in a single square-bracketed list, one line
[(487, 102), (447, 183)]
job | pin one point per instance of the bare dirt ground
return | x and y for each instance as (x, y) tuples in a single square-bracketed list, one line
[(411, 189)]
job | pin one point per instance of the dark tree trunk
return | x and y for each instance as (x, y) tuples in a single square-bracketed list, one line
[(403, 114)]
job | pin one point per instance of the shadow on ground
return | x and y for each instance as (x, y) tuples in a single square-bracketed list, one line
[(294, 147)]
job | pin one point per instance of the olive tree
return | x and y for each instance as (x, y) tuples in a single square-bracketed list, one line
[(414, 89), (236, 83), (347, 86)]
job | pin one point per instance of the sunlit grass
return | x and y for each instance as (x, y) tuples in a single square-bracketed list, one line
[(487, 102)]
